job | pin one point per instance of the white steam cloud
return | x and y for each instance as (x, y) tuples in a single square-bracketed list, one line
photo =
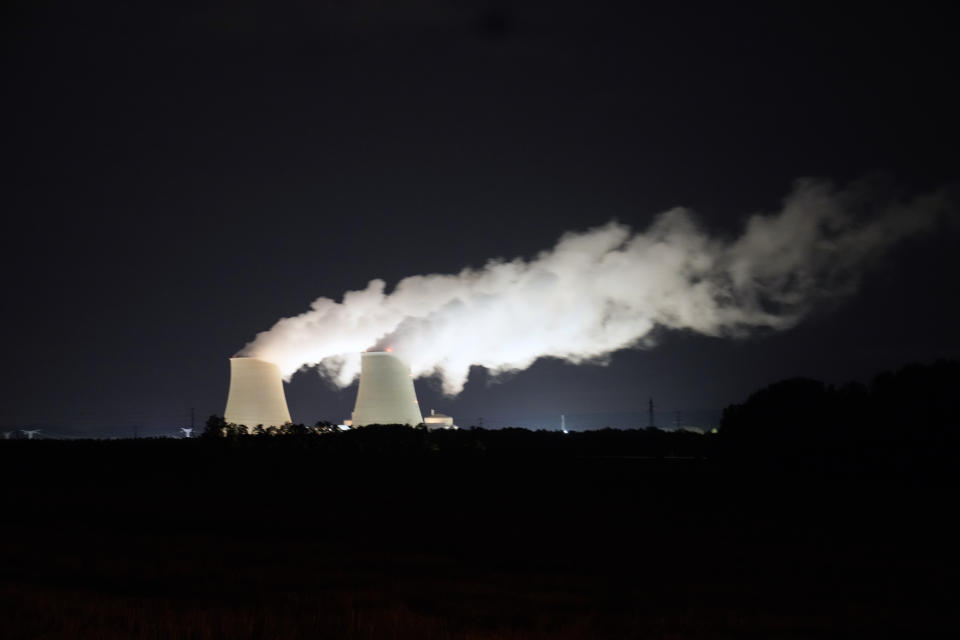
[(606, 289)]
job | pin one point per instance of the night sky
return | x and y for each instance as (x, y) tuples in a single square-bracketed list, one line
[(176, 181)]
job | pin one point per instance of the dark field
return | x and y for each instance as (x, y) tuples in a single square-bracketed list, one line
[(269, 539)]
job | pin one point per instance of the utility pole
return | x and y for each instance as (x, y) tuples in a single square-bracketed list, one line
[(651, 412)]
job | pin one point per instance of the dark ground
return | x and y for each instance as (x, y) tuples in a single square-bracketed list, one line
[(192, 539)]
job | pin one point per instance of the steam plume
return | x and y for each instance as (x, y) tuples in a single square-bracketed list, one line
[(606, 289)]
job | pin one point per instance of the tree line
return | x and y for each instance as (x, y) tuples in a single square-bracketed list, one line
[(909, 417)]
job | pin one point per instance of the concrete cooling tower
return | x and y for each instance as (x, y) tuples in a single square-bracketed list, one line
[(386, 394), (256, 394)]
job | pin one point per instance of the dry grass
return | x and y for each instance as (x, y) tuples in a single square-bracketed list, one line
[(144, 587), (376, 549)]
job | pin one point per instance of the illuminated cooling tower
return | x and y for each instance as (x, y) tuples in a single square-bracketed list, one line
[(256, 394), (386, 394)]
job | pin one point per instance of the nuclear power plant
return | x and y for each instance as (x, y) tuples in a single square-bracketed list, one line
[(256, 394), (386, 394)]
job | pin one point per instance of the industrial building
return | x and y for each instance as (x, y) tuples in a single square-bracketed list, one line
[(256, 394), (439, 421)]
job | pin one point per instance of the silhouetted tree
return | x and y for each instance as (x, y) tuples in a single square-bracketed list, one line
[(908, 417), (324, 426), (295, 429), (215, 427)]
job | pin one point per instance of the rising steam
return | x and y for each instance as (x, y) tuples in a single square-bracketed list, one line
[(606, 289)]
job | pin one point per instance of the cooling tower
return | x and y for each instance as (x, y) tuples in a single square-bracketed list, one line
[(256, 394), (386, 394)]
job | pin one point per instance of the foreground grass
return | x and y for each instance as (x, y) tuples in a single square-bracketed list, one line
[(252, 544), (371, 595)]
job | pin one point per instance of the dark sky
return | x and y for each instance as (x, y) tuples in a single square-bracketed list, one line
[(177, 179)]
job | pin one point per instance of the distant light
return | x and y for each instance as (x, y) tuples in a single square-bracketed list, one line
[(565, 431), (388, 349), (343, 427)]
